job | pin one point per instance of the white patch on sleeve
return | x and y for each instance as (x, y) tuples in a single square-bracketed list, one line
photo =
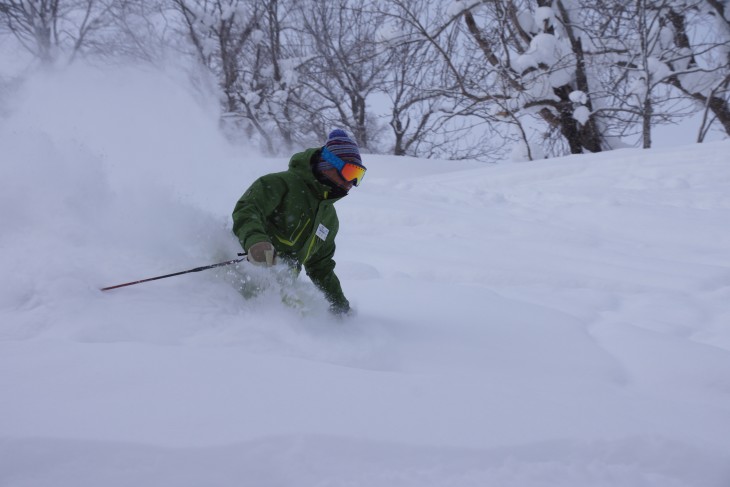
[(322, 232)]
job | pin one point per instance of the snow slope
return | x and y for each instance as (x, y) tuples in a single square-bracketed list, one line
[(564, 322)]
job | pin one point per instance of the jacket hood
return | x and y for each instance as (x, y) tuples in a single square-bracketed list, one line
[(301, 165)]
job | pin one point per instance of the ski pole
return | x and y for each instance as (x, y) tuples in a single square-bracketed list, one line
[(197, 269)]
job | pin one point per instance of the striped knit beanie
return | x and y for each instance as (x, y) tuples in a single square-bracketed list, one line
[(341, 145)]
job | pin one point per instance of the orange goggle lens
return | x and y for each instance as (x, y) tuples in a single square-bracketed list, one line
[(352, 172)]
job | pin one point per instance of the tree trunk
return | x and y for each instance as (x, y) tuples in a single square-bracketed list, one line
[(580, 138), (399, 133), (359, 114), (646, 123)]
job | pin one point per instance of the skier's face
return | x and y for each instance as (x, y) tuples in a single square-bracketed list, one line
[(334, 176)]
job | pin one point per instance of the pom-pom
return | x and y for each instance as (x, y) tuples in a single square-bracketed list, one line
[(337, 133)]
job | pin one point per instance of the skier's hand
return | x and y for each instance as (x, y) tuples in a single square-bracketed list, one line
[(262, 253), (342, 312)]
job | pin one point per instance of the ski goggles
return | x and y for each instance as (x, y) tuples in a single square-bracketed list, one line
[(349, 171)]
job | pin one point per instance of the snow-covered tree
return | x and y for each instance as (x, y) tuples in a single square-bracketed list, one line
[(656, 61), (222, 34), (591, 73), (701, 35), (553, 73), (464, 78), (512, 62), (272, 67)]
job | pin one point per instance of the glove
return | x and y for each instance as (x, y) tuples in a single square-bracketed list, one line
[(262, 253), (342, 311)]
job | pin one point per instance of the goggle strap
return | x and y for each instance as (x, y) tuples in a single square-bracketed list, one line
[(332, 158)]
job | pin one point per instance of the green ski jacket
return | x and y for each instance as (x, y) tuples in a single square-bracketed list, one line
[(293, 211)]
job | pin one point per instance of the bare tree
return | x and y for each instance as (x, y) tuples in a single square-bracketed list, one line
[(441, 86), (409, 84), (50, 28), (415, 105), (34, 24), (344, 68), (641, 96), (140, 30)]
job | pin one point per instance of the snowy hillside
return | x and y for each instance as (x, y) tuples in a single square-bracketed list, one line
[(556, 323)]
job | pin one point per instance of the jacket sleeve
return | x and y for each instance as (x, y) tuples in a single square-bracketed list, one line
[(321, 270), (254, 208)]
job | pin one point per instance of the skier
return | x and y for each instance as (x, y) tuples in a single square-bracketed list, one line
[(290, 215)]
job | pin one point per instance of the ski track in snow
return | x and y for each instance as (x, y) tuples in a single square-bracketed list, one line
[(563, 322)]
